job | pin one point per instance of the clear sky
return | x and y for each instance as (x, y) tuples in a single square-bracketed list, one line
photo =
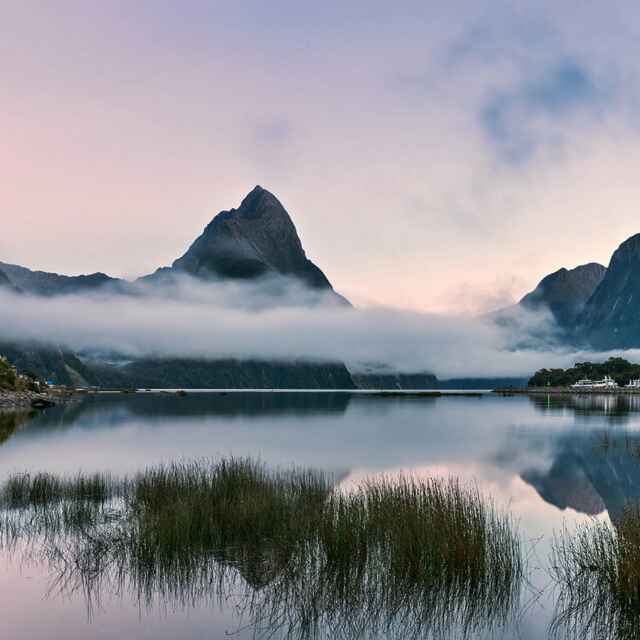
[(435, 156)]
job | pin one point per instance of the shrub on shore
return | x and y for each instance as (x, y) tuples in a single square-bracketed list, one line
[(8, 375), (11, 380)]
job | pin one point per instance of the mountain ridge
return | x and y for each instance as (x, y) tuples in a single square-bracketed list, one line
[(47, 283), (611, 317), (255, 243), (565, 292), (594, 306), (256, 240)]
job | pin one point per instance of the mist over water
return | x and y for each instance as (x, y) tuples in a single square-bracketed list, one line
[(278, 319)]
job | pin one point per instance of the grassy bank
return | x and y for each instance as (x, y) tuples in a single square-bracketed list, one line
[(294, 553)]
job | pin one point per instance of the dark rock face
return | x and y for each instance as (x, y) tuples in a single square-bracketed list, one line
[(611, 317), (482, 383), (565, 293), (168, 373), (51, 284), (48, 363), (395, 380), (6, 284), (256, 239), (64, 368)]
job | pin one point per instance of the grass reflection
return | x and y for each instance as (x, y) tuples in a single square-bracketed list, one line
[(294, 556), (597, 570)]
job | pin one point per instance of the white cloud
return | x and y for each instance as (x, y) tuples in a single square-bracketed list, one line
[(239, 321)]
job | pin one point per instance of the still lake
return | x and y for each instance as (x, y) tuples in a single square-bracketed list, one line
[(551, 461)]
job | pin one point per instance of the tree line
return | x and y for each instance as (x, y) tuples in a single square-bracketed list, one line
[(621, 370)]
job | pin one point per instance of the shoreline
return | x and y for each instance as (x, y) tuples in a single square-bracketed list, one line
[(11, 401), (541, 391), (428, 393)]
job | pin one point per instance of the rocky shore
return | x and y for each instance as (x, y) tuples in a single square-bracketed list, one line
[(21, 400)]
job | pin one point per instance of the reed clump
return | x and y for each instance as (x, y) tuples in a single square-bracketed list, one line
[(210, 505), (309, 559), (597, 571), (44, 489)]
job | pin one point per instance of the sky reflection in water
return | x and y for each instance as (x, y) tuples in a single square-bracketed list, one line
[(551, 461)]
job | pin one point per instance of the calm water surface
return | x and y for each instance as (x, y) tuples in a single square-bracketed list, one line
[(552, 462)]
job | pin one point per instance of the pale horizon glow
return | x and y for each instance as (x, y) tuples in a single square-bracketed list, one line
[(438, 159)]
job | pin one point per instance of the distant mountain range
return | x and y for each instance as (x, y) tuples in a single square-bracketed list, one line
[(255, 240), (248, 244), (594, 306), (51, 284)]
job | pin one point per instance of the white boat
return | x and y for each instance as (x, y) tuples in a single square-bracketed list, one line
[(585, 383), (633, 384), (607, 383), (595, 385)]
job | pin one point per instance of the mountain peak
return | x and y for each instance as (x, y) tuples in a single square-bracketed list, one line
[(254, 196), (257, 238), (629, 249), (258, 203), (565, 291)]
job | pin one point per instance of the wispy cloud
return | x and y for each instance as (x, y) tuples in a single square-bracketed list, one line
[(533, 112)]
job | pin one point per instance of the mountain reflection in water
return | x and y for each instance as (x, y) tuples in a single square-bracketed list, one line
[(295, 556), (553, 462), (594, 470)]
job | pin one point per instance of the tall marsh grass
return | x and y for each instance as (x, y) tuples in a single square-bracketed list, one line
[(294, 554), (597, 571)]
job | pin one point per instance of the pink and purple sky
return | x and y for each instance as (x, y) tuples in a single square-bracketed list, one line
[(433, 157)]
